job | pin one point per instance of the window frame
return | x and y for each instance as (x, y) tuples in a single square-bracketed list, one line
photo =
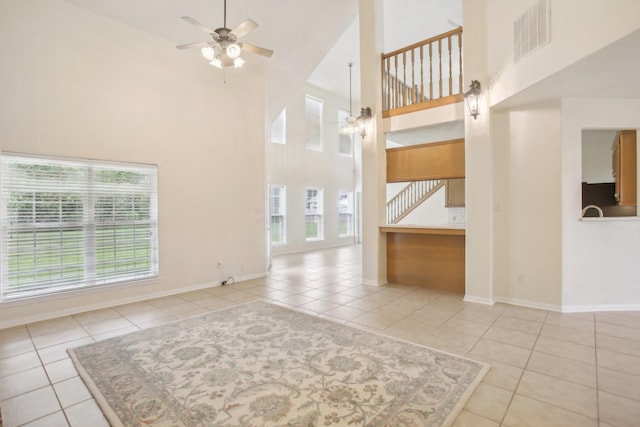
[(316, 214), (75, 247), (282, 213), (350, 212), (279, 129), (308, 143)]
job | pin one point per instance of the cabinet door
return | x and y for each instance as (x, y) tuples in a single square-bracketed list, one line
[(454, 193), (625, 169), (437, 160)]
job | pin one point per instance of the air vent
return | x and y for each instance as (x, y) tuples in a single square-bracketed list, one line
[(532, 30)]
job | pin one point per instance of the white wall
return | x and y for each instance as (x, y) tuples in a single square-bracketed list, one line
[(478, 162), (527, 218), (374, 161), (599, 258), (597, 155), (75, 84), (525, 241), (578, 29), (297, 167)]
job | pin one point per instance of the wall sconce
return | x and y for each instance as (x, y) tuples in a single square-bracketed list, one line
[(363, 119), (472, 96)]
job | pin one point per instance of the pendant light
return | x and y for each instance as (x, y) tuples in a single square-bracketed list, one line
[(350, 126)]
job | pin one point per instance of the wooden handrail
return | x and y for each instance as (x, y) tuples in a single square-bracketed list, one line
[(408, 84), (412, 196), (424, 42)]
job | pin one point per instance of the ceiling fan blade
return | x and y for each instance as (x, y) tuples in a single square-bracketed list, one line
[(197, 24), (190, 45), (245, 28), (257, 50)]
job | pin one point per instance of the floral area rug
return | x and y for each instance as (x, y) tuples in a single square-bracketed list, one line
[(260, 364)]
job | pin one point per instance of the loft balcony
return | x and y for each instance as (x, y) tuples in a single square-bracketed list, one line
[(424, 75)]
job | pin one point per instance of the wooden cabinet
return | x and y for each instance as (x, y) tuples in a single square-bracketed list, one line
[(454, 193), (625, 168), (437, 160), (426, 257)]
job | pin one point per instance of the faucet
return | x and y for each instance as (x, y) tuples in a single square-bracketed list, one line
[(586, 208)]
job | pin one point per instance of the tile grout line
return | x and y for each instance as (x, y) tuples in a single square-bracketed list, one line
[(457, 310), (468, 354), (597, 419), (55, 392), (524, 368)]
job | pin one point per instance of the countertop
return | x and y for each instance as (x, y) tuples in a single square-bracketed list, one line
[(445, 229)]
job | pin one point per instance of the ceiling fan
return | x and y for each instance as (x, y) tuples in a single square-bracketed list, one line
[(225, 50)]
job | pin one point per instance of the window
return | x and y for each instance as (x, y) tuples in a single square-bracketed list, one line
[(70, 224), (313, 214), (278, 211), (313, 114), (345, 141), (345, 213), (279, 129)]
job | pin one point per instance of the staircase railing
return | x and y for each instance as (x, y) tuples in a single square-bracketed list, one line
[(423, 75), (410, 198), (413, 93)]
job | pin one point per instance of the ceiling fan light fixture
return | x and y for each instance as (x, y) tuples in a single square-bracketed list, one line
[(238, 62), (208, 53), (225, 50), (233, 51)]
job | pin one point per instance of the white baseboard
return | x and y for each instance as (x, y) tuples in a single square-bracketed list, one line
[(374, 282), (23, 320), (530, 304), (276, 252), (478, 300), (600, 307), (568, 308)]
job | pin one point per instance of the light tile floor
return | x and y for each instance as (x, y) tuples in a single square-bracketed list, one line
[(547, 369)]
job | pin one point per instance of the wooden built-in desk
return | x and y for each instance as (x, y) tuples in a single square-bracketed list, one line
[(432, 257)]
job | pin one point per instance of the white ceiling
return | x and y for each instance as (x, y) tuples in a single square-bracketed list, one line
[(299, 32), (313, 40), (286, 26), (418, 19), (608, 73), (423, 135)]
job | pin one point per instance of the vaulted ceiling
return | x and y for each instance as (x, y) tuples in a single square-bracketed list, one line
[(313, 40)]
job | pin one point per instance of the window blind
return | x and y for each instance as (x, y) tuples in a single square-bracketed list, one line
[(345, 213), (278, 211), (313, 214), (71, 224)]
